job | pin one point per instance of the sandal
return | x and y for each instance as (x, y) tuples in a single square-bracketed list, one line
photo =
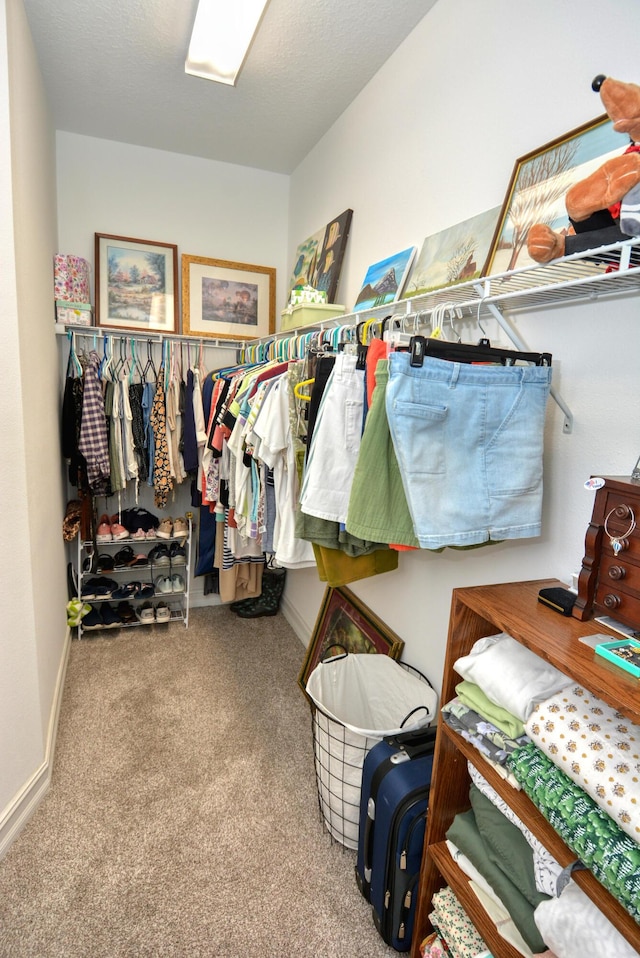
[(124, 558)]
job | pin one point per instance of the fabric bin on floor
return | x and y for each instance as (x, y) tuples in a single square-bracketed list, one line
[(358, 699)]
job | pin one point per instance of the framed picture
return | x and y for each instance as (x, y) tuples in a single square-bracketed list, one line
[(344, 624), (319, 258), (454, 255), (136, 284), (384, 281), (538, 186), (227, 300)]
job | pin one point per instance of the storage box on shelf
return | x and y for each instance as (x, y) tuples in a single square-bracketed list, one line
[(152, 574), (488, 610)]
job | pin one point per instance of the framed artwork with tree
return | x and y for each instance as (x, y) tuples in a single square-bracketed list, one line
[(455, 255), (538, 187), (136, 284)]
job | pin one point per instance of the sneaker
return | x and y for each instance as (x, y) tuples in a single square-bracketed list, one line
[(110, 618), (160, 556), (177, 583), (177, 554), (163, 585), (93, 620), (146, 613), (139, 534), (180, 528), (103, 532), (165, 529), (140, 560), (118, 531), (98, 587), (163, 612)]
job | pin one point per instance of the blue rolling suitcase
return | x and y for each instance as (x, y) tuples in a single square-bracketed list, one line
[(396, 777)]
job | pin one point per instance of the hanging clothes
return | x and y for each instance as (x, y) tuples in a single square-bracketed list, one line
[(162, 481), (93, 429), (469, 442)]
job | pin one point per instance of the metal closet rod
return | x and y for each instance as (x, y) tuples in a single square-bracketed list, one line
[(99, 332)]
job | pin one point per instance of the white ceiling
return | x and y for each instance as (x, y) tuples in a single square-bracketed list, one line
[(115, 69)]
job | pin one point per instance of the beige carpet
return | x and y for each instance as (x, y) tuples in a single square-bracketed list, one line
[(183, 818)]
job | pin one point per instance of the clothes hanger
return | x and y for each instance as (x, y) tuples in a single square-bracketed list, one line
[(421, 346), (297, 389)]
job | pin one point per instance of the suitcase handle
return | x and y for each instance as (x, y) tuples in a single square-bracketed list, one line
[(415, 742), (367, 843)]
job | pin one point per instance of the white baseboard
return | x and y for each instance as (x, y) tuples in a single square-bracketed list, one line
[(296, 621), (16, 815)]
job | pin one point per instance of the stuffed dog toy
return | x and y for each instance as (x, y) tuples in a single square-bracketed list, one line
[(605, 207)]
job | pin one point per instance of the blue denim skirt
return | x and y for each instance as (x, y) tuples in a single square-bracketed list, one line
[(469, 442)]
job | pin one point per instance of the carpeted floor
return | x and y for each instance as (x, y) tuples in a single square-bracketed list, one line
[(183, 818)]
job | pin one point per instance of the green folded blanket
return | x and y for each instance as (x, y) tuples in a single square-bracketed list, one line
[(473, 696), (612, 856)]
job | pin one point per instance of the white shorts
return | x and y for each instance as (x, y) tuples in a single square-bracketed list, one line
[(335, 443)]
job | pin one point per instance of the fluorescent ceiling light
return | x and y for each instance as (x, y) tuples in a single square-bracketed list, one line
[(222, 33)]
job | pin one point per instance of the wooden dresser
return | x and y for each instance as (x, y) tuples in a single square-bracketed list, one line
[(609, 581)]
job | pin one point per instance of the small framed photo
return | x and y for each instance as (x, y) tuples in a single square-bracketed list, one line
[(227, 300), (136, 284), (345, 624), (384, 280), (538, 187)]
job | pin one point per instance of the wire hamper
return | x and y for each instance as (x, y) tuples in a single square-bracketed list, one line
[(340, 748)]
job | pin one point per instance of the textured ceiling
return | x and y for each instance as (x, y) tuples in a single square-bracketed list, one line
[(115, 69)]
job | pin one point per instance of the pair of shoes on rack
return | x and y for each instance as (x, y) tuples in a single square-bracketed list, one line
[(102, 617), (173, 528), (141, 534), (148, 614), (165, 584), (98, 587), (160, 556), (110, 528), (268, 602), (134, 590)]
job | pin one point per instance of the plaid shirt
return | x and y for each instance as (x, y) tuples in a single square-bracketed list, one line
[(93, 429)]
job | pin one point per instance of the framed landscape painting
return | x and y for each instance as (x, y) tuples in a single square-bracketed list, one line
[(227, 300), (454, 255), (136, 284), (345, 624), (539, 184), (384, 281)]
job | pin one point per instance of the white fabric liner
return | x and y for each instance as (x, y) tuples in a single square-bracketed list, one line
[(371, 694)]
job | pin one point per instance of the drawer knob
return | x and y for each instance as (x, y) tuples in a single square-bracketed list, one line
[(611, 601), (622, 511), (617, 572)]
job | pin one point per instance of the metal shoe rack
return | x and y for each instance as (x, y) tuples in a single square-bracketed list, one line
[(178, 602)]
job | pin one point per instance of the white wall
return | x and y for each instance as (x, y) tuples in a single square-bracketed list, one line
[(207, 208), (431, 141), (33, 567)]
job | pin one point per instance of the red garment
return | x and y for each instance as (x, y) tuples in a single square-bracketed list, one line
[(615, 209)]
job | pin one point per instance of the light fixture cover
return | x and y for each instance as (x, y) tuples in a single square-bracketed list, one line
[(222, 33)]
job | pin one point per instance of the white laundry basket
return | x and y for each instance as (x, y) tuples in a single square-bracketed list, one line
[(358, 699)]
